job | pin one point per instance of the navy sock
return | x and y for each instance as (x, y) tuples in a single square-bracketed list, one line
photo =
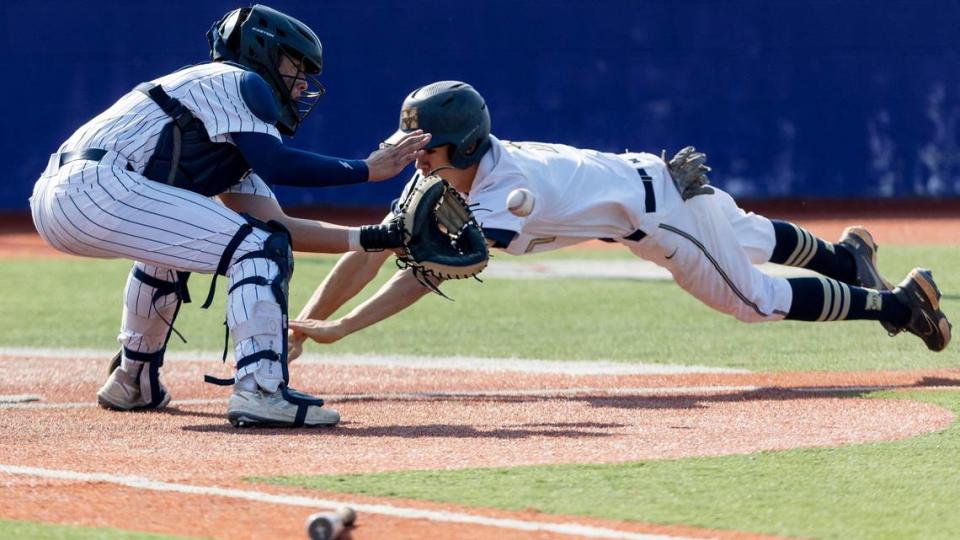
[(823, 299), (798, 247)]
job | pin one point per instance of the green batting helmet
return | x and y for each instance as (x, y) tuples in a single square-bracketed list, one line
[(453, 113)]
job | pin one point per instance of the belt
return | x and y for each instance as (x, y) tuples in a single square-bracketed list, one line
[(88, 154), (635, 236), (649, 206)]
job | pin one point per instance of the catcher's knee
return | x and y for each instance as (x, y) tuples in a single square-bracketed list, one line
[(270, 266)]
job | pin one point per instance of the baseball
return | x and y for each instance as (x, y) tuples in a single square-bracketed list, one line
[(520, 202)]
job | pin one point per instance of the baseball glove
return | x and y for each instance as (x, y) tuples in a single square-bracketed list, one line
[(442, 238), (689, 172)]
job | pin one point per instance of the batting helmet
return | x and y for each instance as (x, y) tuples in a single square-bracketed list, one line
[(453, 113), (256, 38)]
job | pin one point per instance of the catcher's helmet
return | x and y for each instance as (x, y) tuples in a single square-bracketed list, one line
[(453, 113), (255, 38)]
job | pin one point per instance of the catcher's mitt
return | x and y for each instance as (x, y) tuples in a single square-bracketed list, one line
[(689, 172), (442, 238)]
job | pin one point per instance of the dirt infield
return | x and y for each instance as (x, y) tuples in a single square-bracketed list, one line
[(70, 462), (398, 419)]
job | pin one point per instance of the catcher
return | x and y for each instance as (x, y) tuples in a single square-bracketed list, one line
[(136, 182), (663, 211)]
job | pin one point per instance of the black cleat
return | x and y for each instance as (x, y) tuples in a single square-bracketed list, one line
[(861, 245), (919, 292)]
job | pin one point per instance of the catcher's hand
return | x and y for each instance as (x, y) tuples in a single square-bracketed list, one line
[(442, 238), (689, 172)]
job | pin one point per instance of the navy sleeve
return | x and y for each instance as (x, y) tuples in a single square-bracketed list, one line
[(259, 97), (282, 165)]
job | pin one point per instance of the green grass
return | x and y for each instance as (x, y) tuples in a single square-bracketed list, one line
[(903, 489), (45, 531), (77, 303)]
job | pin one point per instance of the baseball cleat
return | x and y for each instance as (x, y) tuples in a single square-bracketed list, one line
[(122, 392), (920, 293), (859, 242), (271, 409)]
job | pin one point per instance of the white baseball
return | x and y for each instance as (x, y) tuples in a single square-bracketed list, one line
[(520, 202)]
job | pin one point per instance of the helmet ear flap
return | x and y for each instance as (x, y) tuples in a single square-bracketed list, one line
[(475, 143)]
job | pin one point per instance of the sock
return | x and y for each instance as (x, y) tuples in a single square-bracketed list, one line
[(824, 299), (798, 247)]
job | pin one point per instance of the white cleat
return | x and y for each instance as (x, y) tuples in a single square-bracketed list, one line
[(258, 408), (122, 392)]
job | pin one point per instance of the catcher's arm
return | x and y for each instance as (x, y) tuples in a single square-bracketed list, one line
[(307, 234), (402, 291)]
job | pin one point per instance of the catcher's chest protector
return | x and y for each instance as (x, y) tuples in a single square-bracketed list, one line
[(185, 157)]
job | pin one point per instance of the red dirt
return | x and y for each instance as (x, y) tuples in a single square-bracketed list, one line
[(194, 444)]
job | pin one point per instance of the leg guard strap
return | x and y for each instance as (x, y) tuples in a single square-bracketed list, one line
[(225, 258), (302, 401), (243, 362), (163, 288), (152, 361)]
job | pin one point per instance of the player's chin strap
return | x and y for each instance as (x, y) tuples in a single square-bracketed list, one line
[(441, 168), (277, 248)]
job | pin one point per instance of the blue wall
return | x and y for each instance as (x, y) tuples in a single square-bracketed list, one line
[(789, 98)]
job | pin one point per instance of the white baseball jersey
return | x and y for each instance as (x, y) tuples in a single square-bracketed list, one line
[(69, 202), (579, 194), (132, 125), (708, 244)]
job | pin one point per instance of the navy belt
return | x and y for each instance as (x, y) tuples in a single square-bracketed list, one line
[(635, 236), (88, 154), (649, 206)]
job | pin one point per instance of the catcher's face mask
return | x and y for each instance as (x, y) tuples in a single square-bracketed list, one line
[(303, 87)]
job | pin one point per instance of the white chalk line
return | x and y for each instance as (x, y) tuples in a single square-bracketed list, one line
[(467, 363), (543, 393), (18, 398), (143, 483)]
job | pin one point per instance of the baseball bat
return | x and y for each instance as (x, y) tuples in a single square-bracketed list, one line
[(329, 525)]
